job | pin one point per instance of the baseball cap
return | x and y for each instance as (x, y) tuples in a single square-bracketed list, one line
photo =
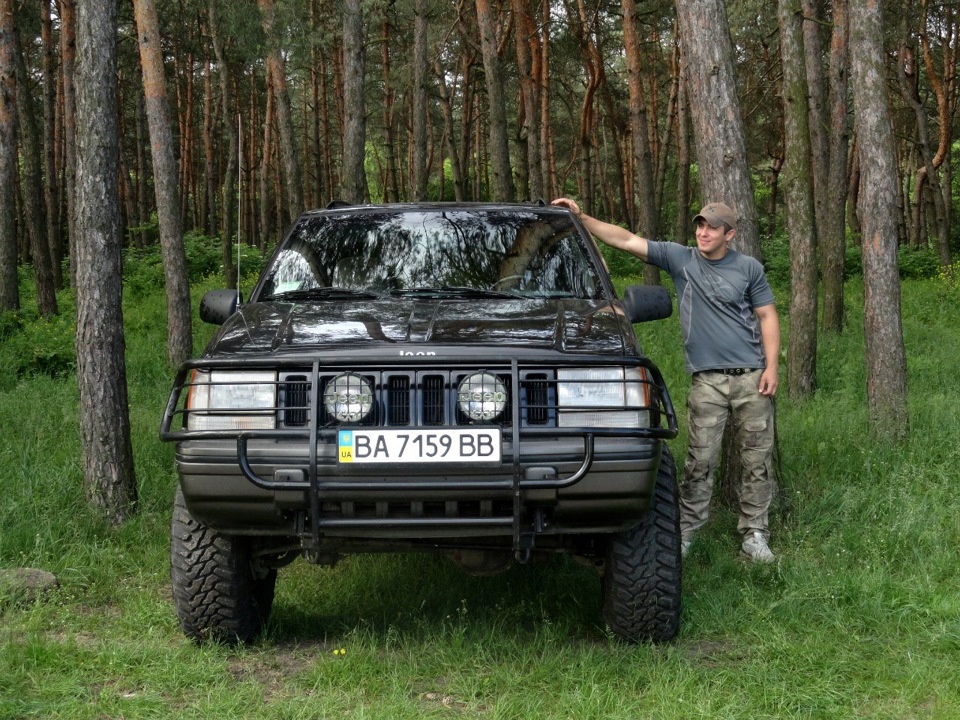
[(716, 214)]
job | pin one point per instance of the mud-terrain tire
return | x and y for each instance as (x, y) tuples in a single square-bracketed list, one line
[(642, 569), (216, 592)]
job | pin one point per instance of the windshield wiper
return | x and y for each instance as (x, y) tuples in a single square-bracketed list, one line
[(323, 293), (454, 291)]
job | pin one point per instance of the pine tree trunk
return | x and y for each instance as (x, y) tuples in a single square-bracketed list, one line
[(209, 174), (166, 187), (101, 373), (391, 185), (528, 50), (715, 108), (354, 181), (227, 189), (420, 116), (31, 185), (449, 135), (496, 105), (68, 57), (647, 220), (264, 173), (278, 75), (51, 195), (798, 194), (833, 242), (9, 281), (883, 332)]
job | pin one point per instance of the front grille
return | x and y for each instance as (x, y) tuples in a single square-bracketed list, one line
[(406, 398), (436, 509)]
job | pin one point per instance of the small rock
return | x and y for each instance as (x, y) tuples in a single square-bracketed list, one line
[(23, 586)]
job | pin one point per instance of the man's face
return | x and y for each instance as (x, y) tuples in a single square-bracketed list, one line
[(712, 241)]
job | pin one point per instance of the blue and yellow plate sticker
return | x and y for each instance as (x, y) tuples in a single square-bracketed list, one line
[(346, 446)]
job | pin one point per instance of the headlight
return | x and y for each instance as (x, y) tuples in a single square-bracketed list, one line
[(603, 397), (348, 397), (225, 400), (481, 396)]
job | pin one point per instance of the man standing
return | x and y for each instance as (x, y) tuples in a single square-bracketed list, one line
[(731, 337)]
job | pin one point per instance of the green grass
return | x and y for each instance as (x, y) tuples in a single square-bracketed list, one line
[(860, 618)]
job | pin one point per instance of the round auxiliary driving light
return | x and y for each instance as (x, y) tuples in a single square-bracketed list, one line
[(481, 396), (348, 397)]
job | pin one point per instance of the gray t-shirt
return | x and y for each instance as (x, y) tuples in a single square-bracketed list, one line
[(716, 300)]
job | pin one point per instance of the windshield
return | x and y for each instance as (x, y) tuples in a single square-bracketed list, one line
[(473, 253)]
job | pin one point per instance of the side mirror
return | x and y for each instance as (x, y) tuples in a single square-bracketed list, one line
[(647, 302), (217, 305)]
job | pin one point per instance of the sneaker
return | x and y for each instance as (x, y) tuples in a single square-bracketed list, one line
[(686, 540), (755, 548)]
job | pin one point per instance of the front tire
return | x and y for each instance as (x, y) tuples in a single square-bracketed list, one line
[(218, 592), (642, 570)]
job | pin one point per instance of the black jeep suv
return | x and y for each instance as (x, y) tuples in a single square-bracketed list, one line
[(456, 378)]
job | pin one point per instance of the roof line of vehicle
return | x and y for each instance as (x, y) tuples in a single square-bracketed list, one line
[(336, 207)]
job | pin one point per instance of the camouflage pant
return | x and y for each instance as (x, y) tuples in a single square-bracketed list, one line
[(713, 397)]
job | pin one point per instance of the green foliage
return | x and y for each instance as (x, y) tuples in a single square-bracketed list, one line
[(621, 264), (918, 263), (34, 346), (914, 263), (143, 267)]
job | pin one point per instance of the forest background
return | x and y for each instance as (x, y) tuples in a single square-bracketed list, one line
[(276, 107)]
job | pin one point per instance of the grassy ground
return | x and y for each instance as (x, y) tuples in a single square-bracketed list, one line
[(860, 618)]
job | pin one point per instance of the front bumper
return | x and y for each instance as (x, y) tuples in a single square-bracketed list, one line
[(550, 482)]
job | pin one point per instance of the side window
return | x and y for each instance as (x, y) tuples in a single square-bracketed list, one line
[(292, 271)]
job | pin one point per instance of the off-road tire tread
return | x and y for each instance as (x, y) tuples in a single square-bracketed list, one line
[(642, 573), (216, 596)]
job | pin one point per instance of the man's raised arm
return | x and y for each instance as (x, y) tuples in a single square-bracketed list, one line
[(607, 233)]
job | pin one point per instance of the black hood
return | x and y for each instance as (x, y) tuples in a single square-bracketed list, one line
[(568, 325)]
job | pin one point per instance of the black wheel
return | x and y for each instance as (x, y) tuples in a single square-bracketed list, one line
[(642, 570), (218, 592)]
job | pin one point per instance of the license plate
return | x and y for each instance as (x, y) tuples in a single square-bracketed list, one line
[(420, 446)]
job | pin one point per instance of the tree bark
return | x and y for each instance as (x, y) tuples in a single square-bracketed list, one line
[(459, 187), (798, 194), (715, 108), (420, 116), (354, 181), (165, 184), (502, 177), (526, 41), (227, 189), (101, 372), (9, 281), (817, 101), (68, 58), (278, 75), (833, 242), (32, 187), (391, 185), (51, 195), (647, 216), (210, 194), (883, 332)]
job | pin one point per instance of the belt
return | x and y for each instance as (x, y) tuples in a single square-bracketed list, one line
[(732, 371)]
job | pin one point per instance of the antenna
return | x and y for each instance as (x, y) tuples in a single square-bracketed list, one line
[(239, 192)]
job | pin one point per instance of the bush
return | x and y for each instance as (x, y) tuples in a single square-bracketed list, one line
[(918, 263), (34, 346), (143, 267)]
